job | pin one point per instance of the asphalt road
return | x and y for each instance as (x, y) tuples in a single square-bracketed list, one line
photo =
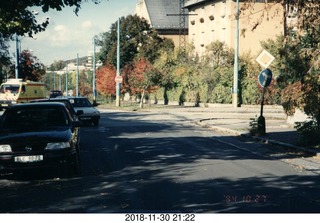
[(160, 162)]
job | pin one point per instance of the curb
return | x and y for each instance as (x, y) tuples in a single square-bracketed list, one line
[(265, 140), (288, 145), (220, 129)]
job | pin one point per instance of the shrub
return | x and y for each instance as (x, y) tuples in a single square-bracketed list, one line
[(310, 131)]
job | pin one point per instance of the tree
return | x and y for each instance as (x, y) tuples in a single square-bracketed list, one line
[(137, 40), (4, 58), (57, 65), (306, 12), (85, 83), (30, 68), (105, 80), (143, 78), (166, 64), (217, 66), (18, 18), (297, 65)]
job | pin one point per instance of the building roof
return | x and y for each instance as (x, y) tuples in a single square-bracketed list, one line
[(164, 14), (189, 3)]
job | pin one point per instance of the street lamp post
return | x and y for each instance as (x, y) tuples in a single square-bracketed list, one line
[(118, 66), (77, 79), (236, 66), (60, 81), (17, 58), (94, 71), (67, 79), (54, 80)]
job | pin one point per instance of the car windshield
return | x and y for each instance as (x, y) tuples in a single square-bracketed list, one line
[(66, 103), (33, 118), (10, 88), (80, 102)]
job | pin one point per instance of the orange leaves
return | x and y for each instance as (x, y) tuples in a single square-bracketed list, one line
[(137, 77), (105, 80)]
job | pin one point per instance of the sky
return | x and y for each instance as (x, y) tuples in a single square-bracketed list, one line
[(68, 35)]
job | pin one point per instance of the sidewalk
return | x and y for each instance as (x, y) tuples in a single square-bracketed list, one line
[(236, 121)]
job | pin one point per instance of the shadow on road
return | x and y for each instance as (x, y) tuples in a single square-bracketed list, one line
[(133, 167)]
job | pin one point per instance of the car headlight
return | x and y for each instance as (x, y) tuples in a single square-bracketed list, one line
[(57, 145), (5, 149)]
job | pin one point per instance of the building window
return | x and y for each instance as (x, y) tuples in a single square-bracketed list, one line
[(224, 9)]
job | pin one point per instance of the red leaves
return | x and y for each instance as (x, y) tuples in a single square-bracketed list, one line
[(105, 80), (137, 77)]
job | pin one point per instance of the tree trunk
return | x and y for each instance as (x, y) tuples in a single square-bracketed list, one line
[(165, 96), (142, 97)]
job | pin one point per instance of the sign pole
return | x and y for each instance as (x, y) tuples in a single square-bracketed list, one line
[(264, 78), (261, 119)]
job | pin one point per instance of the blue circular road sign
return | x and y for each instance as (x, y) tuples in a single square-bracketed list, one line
[(265, 77)]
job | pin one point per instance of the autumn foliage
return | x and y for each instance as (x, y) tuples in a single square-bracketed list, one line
[(141, 77), (105, 80), (30, 67)]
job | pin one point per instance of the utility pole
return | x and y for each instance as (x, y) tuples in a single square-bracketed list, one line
[(94, 71), (182, 28), (77, 81), (17, 58), (118, 67), (54, 80), (67, 80), (182, 25), (236, 66)]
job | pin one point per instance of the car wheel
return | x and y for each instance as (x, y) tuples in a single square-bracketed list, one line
[(72, 168), (75, 165), (96, 122)]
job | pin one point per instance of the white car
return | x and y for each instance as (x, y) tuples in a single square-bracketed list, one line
[(90, 113)]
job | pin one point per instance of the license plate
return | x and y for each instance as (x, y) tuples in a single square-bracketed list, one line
[(28, 159), (85, 118)]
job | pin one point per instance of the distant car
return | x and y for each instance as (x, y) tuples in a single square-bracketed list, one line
[(90, 113), (75, 114), (38, 136), (55, 93)]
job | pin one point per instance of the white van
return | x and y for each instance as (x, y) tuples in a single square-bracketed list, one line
[(17, 91)]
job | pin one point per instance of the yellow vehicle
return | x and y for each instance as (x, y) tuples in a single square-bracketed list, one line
[(17, 91)]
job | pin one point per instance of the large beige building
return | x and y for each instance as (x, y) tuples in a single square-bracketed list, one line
[(163, 15), (213, 20)]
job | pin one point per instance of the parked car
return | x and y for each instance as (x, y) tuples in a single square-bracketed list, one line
[(55, 93), (75, 114), (90, 113), (38, 136)]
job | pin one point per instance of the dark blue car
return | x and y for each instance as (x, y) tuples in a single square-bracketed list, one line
[(38, 136)]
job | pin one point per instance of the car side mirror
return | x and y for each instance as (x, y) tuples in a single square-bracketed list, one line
[(79, 112)]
